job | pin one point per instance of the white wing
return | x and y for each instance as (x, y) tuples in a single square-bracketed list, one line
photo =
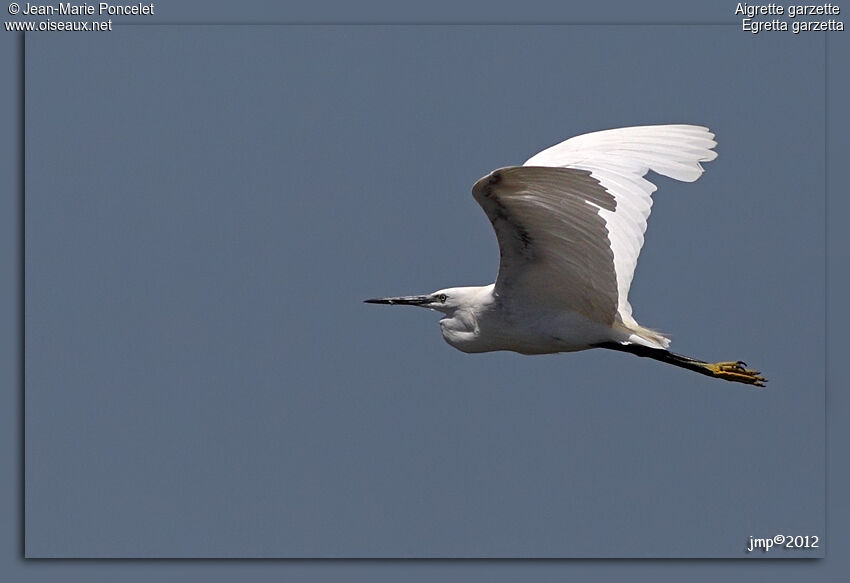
[(553, 242), (619, 159)]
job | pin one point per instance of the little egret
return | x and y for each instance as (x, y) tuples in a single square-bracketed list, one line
[(570, 225)]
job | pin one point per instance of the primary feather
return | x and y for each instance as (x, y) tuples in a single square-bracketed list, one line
[(619, 159)]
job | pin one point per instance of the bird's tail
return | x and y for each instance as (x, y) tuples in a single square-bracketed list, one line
[(647, 337)]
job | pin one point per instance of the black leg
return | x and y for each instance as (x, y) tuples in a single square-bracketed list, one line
[(729, 371)]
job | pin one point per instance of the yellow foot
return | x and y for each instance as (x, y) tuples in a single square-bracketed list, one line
[(736, 372)]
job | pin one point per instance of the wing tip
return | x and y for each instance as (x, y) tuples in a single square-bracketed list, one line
[(483, 187)]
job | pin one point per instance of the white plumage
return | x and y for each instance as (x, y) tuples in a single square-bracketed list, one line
[(570, 224), (619, 159)]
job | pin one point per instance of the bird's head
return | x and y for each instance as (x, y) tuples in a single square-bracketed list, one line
[(445, 300)]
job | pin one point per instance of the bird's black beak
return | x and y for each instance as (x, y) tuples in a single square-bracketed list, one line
[(402, 300)]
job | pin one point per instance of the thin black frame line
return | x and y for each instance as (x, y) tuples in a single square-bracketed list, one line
[(22, 95), (825, 290), (22, 302), (431, 23)]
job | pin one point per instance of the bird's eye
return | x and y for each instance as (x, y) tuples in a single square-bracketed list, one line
[(442, 298)]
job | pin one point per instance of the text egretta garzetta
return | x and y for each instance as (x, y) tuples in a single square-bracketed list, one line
[(570, 225)]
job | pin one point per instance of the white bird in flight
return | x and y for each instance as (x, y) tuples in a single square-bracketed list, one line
[(570, 225)]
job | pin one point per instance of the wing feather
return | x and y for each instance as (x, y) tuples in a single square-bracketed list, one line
[(553, 241), (619, 159)]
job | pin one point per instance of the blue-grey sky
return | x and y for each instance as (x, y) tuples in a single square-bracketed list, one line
[(207, 207)]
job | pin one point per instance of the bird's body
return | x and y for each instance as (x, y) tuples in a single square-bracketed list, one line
[(570, 225), (485, 322)]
